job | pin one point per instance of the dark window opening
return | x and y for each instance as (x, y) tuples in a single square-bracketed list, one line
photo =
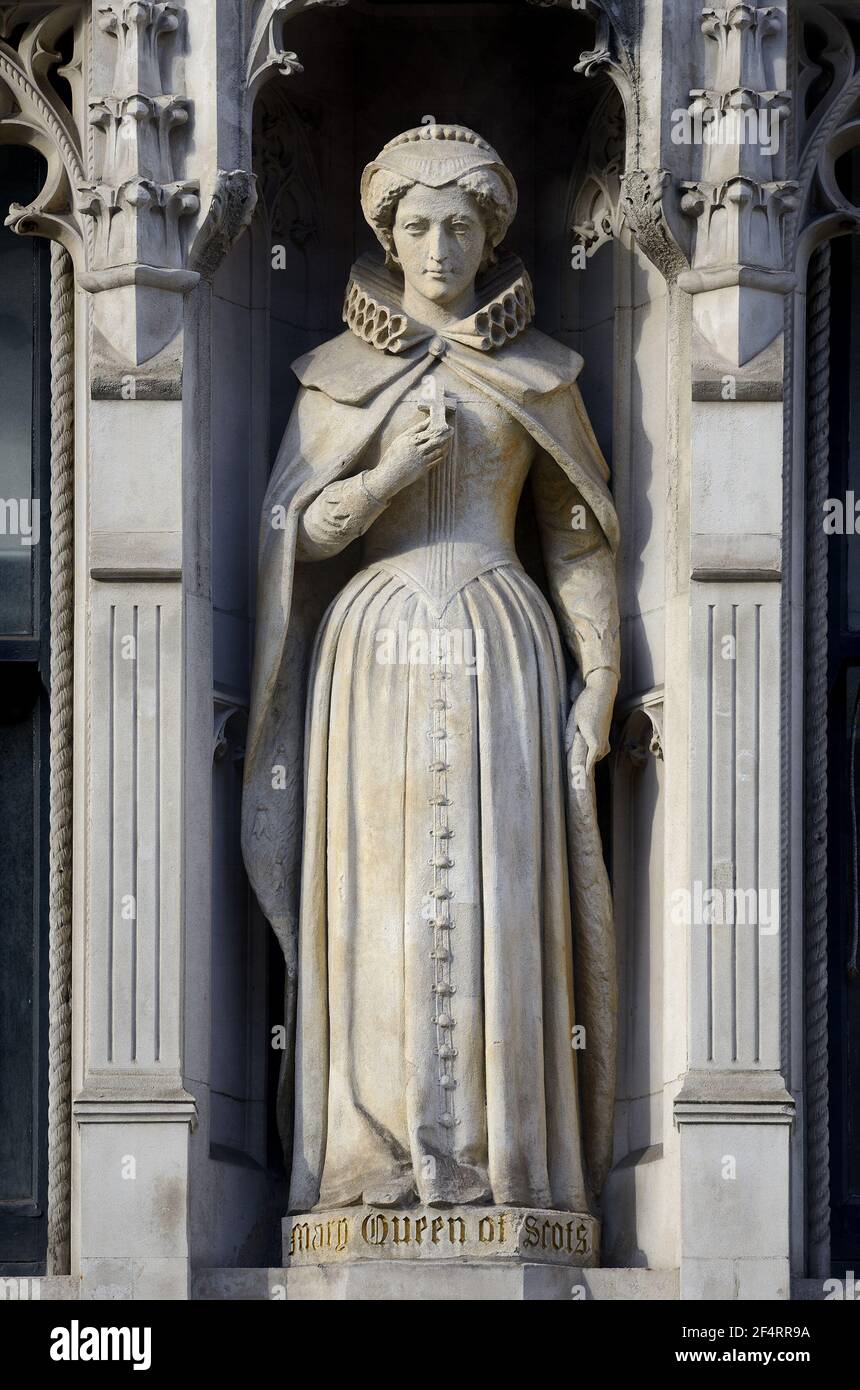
[(24, 675)]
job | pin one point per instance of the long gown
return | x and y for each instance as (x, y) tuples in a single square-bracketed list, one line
[(434, 869)]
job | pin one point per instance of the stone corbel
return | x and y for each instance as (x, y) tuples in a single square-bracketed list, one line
[(608, 200), (230, 211), (641, 731), (642, 194), (230, 731)]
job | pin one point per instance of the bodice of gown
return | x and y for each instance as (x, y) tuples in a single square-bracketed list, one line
[(457, 520)]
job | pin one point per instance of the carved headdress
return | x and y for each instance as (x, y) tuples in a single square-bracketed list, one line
[(437, 155)]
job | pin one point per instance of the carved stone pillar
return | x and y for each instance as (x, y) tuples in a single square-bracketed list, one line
[(118, 198), (132, 1113), (738, 122), (707, 144), (136, 201), (733, 1111)]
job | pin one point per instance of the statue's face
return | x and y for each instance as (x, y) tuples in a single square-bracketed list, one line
[(439, 239)]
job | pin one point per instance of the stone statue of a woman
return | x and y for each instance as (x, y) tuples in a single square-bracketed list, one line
[(419, 815)]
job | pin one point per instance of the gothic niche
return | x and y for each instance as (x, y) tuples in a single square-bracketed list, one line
[(316, 125)]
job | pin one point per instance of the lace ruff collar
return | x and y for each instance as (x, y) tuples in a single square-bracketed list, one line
[(372, 309)]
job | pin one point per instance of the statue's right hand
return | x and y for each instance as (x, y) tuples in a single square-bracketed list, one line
[(419, 448)]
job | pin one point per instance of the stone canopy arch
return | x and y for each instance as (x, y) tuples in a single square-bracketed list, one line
[(33, 112)]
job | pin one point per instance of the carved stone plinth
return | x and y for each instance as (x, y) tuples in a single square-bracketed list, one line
[(521, 1234)]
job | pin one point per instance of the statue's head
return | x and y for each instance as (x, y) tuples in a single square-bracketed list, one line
[(440, 201)]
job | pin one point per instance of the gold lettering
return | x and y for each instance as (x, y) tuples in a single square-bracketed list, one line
[(436, 1226), (451, 1235), (300, 1237), (420, 1228), (532, 1232), (486, 1230), (333, 1234), (342, 1233), (316, 1243), (374, 1228), (582, 1239), (557, 1236), (407, 1230)]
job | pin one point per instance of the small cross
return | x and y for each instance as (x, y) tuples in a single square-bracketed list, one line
[(435, 401)]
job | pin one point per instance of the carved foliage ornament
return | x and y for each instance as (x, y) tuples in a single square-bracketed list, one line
[(739, 32), (605, 196), (614, 52), (267, 53), (230, 211), (595, 214), (642, 192), (138, 202), (828, 105), (32, 112), (136, 120), (741, 196), (121, 219), (600, 203)]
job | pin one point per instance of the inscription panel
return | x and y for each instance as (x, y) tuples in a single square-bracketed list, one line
[(432, 1233)]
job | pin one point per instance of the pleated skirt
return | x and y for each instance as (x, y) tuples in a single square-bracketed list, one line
[(435, 1001)]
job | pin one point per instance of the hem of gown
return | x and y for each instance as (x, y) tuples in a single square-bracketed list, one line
[(543, 1203), (406, 1198), (406, 1194)]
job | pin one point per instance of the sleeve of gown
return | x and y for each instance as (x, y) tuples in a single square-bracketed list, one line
[(338, 515), (580, 568)]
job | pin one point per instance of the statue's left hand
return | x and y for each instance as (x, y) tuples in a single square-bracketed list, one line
[(591, 717)]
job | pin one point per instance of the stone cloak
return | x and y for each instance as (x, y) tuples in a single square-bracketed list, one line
[(348, 389)]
